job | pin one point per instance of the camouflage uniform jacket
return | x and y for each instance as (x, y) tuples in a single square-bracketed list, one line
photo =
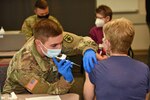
[(29, 23), (28, 72)]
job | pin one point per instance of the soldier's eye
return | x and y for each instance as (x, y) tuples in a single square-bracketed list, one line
[(54, 45)]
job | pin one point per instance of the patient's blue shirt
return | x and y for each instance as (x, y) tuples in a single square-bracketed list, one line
[(120, 78)]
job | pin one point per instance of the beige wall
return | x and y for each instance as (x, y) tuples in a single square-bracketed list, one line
[(142, 38)]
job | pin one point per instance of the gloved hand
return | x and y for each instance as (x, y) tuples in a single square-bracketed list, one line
[(64, 68), (89, 59)]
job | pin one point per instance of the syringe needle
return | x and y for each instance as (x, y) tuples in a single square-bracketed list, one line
[(75, 64), (71, 62)]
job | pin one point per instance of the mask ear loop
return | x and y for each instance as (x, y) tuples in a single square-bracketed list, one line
[(43, 45), (42, 49)]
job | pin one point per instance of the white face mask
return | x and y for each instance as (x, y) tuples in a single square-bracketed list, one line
[(99, 22), (51, 52)]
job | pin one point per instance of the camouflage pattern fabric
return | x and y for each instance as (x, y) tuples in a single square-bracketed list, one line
[(28, 72), (29, 23)]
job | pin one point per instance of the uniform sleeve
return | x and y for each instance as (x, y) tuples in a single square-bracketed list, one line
[(27, 29), (74, 44), (28, 75), (37, 85)]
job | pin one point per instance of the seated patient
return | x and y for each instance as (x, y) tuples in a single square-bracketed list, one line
[(119, 77)]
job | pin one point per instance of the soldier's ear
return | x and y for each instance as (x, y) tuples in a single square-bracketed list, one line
[(37, 42), (35, 11)]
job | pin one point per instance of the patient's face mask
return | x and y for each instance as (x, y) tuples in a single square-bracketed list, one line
[(51, 52), (99, 22)]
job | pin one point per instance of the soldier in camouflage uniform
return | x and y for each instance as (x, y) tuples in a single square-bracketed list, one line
[(41, 11), (34, 70)]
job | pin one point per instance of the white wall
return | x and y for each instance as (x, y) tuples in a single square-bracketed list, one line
[(142, 38), (123, 5)]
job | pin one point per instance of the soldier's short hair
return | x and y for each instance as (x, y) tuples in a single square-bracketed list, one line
[(42, 4), (120, 33), (46, 28)]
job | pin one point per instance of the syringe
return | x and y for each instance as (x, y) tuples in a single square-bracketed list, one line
[(63, 56)]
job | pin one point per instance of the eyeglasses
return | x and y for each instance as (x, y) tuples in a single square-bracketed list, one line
[(101, 17)]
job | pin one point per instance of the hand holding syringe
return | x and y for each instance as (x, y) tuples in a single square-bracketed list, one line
[(63, 56)]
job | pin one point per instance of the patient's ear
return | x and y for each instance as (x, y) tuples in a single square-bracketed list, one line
[(108, 44)]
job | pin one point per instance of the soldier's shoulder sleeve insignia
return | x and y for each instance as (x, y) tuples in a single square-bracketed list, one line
[(31, 84), (68, 38)]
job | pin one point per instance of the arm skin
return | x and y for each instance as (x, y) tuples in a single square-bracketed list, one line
[(88, 89), (147, 96)]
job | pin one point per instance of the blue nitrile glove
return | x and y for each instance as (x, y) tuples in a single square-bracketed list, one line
[(89, 59), (64, 68)]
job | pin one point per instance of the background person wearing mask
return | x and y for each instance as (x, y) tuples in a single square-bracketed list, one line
[(41, 11), (103, 15), (34, 68)]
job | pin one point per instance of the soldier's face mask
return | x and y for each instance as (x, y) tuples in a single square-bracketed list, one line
[(45, 16), (50, 52)]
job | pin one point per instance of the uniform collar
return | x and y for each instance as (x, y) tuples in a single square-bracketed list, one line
[(44, 63)]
